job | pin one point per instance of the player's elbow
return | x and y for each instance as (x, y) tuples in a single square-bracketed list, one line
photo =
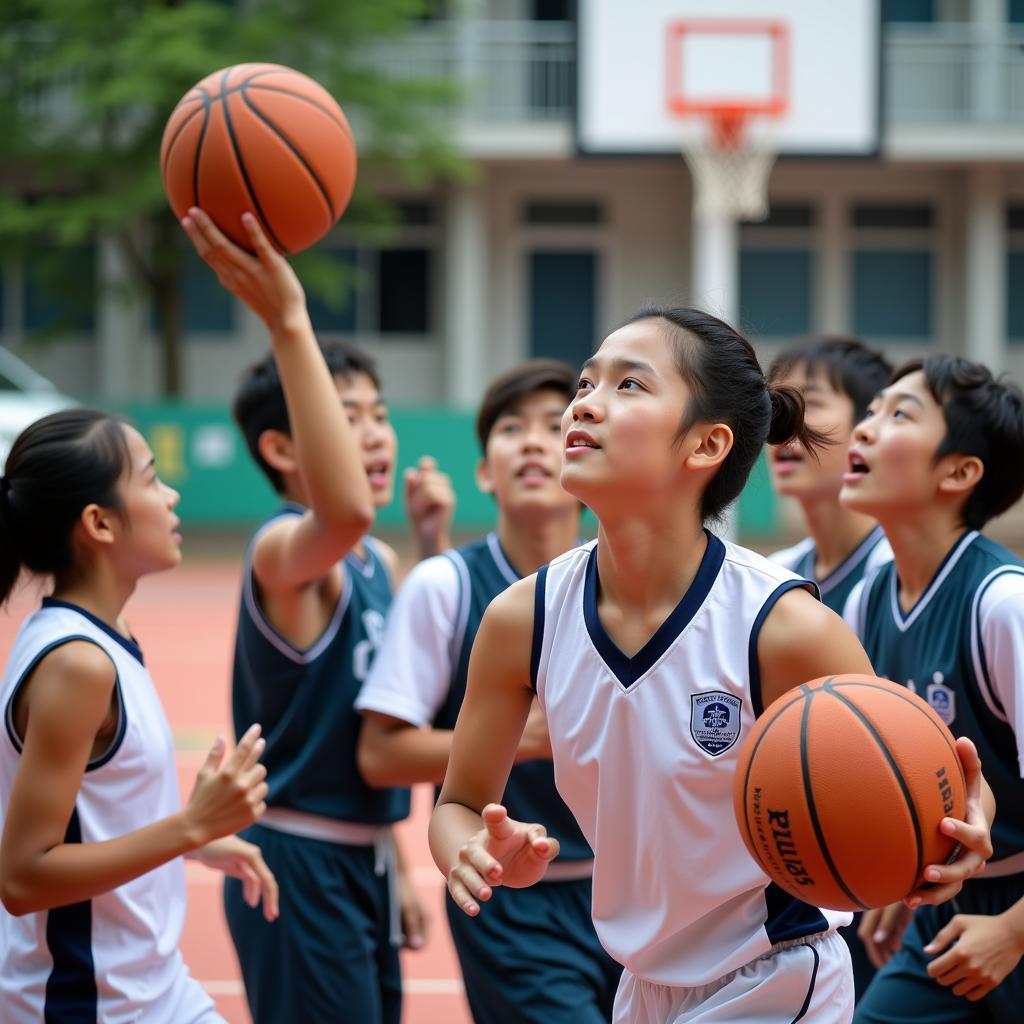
[(372, 758), (16, 896)]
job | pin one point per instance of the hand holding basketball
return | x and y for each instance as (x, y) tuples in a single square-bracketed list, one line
[(973, 835), (265, 282), (504, 852)]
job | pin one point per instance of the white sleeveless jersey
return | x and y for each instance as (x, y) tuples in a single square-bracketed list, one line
[(645, 750), (114, 958)]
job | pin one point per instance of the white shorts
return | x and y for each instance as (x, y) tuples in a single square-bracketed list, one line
[(807, 980)]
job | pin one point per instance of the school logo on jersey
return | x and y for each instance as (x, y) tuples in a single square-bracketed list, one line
[(941, 699), (714, 720)]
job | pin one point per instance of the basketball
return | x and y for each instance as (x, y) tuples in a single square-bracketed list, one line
[(840, 789), (265, 139)]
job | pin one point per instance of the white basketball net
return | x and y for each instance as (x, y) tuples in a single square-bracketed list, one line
[(730, 174)]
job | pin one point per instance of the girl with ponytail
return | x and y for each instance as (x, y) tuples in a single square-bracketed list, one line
[(91, 876), (651, 651)]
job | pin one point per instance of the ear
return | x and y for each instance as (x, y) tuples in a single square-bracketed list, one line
[(278, 451), (960, 474), (484, 481), (708, 444), (98, 526)]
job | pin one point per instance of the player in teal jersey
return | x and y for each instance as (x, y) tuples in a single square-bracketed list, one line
[(940, 453), (838, 377), (535, 957), (314, 594)]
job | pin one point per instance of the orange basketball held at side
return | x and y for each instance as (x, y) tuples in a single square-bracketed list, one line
[(265, 139), (841, 787)]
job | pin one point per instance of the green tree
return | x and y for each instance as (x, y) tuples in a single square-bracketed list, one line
[(86, 87)]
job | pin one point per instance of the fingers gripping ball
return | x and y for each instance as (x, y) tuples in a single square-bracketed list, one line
[(262, 138), (840, 790)]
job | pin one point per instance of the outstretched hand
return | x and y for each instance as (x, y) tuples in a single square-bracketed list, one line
[(503, 852), (429, 504), (973, 834), (265, 282)]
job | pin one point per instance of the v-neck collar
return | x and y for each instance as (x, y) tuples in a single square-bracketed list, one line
[(848, 564), (629, 669), (127, 643), (905, 621), (501, 560)]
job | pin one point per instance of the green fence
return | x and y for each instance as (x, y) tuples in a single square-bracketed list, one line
[(200, 452)]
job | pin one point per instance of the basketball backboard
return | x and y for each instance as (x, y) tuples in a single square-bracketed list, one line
[(808, 70)]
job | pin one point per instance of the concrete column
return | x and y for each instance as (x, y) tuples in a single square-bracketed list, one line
[(832, 301), (988, 17), (714, 283), (122, 331), (467, 336), (985, 270)]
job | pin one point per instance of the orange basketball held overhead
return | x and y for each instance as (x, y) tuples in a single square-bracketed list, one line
[(840, 789), (264, 139)]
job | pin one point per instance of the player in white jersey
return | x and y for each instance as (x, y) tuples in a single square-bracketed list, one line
[(651, 652), (91, 875)]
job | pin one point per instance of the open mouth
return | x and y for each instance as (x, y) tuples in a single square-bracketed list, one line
[(577, 441), (533, 472), (379, 472), (858, 468)]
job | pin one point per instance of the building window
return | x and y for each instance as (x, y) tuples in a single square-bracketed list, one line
[(893, 269), (913, 11), (206, 306), (403, 291), (335, 313), (1015, 274), (59, 290), (563, 213), (776, 267)]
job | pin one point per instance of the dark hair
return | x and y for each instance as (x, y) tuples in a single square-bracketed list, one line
[(260, 404), (726, 384), (850, 366), (506, 391), (985, 418), (56, 467)]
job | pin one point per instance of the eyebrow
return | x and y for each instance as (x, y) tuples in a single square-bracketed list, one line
[(621, 364), (901, 396)]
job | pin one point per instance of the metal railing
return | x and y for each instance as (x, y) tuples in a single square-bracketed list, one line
[(954, 74)]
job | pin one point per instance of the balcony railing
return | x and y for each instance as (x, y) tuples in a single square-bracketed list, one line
[(954, 74)]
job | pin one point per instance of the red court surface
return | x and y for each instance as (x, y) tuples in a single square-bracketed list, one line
[(185, 620)]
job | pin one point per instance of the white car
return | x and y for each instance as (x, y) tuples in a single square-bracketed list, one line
[(25, 396)]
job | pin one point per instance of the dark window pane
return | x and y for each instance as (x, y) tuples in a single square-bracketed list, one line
[(1016, 12), (893, 215), (775, 290), (208, 306), (786, 215), (336, 312), (1015, 294), (563, 212), (60, 290), (908, 10), (1015, 215), (416, 212), (403, 291), (892, 293), (552, 10), (563, 301)]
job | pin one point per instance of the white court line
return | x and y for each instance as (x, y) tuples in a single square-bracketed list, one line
[(414, 986)]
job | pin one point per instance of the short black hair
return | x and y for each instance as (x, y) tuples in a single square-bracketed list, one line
[(506, 391), (259, 403), (985, 418), (852, 367)]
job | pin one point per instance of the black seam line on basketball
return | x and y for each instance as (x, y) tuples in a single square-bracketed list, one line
[(295, 149), (245, 175), (812, 810), (177, 135), (913, 704), (904, 788), (199, 153), (305, 99), (750, 764)]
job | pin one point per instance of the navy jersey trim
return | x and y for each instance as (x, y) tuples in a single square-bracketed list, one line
[(852, 561), (501, 560), (122, 715), (71, 993), (988, 691), (462, 614), (753, 664), (629, 669), (810, 987), (128, 644), (789, 918), (946, 566), (539, 588)]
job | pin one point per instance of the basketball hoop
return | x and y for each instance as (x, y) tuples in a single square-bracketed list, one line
[(730, 168)]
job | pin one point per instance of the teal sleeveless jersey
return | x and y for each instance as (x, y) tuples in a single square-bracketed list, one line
[(934, 649), (484, 572), (304, 698)]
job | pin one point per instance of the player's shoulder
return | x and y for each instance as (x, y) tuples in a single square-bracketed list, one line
[(770, 571), (992, 556), (790, 557), (439, 573)]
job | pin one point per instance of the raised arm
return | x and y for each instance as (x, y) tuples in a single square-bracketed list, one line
[(473, 841), (297, 550), (68, 698)]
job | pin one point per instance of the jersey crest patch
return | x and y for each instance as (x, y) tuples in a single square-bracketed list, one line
[(942, 700), (714, 720)]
